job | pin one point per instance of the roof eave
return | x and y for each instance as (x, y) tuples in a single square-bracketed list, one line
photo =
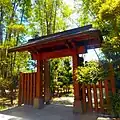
[(27, 46)]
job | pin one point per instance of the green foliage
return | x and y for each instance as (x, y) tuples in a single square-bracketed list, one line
[(50, 17), (65, 73), (10, 65), (115, 104), (109, 10), (2, 108), (111, 49), (13, 16), (60, 72), (5, 3), (16, 28), (104, 15), (92, 72), (4, 83)]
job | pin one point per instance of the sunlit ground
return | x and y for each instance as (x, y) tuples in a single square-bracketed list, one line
[(67, 101), (9, 117)]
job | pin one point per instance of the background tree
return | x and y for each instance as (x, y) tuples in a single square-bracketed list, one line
[(24, 19), (104, 15), (61, 74), (48, 16), (91, 72), (11, 34)]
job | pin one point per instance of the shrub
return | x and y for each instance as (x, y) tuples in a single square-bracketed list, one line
[(91, 72)]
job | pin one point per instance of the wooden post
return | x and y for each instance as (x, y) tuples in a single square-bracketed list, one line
[(47, 81), (25, 88), (38, 101), (101, 95), (84, 98), (20, 91), (106, 91), (77, 102), (95, 97), (38, 82), (28, 90), (34, 86), (31, 89), (89, 98)]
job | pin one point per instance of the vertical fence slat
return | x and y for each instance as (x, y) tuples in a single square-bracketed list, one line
[(35, 82), (34, 85), (95, 97), (89, 97), (22, 97), (25, 89), (28, 90), (84, 97), (101, 95), (106, 91), (32, 78), (20, 90), (31, 89)]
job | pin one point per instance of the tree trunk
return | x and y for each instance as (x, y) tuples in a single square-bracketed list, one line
[(1, 25), (3, 93), (11, 96)]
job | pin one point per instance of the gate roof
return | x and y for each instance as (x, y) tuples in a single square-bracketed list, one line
[(82, 36)]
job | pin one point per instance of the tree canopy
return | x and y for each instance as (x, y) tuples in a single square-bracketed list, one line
[(21, 20), (104, 15)]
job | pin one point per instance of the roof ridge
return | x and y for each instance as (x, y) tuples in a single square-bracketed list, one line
[(74, 30)]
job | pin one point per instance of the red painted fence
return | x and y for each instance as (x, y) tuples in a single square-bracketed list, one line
[(95, 97), (27, 88)]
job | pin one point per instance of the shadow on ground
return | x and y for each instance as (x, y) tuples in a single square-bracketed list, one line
[(49, 112)]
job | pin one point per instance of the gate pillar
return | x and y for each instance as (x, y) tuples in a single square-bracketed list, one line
[(47, 94), (77, 103), (38, 100)]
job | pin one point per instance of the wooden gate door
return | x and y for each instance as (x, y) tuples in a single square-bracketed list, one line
[(27, 88)]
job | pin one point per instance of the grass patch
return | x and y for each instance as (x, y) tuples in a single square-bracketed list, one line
[(2, 107), (5, 103)]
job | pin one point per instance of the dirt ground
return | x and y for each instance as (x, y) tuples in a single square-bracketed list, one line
[(59, 109)]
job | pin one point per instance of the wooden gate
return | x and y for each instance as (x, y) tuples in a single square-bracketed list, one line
[(27, 88), (95, 97)]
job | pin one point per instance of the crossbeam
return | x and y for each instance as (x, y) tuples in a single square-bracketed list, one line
[(57, 54)]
